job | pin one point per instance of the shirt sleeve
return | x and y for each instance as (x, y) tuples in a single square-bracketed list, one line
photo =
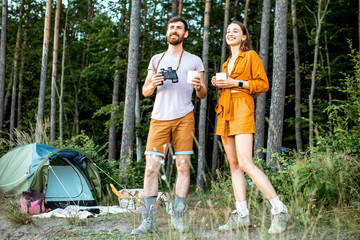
[(199, 66), (152, 65), (259, 82)]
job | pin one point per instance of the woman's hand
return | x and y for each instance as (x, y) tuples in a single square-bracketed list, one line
[(213, 81), (226, 83)]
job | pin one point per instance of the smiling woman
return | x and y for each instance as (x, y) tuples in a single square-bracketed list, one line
[(236, 126)]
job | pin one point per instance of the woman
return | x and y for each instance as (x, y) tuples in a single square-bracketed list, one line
[(236, 125)]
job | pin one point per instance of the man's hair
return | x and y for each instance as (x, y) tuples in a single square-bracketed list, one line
[(178, 19), (246, 44)]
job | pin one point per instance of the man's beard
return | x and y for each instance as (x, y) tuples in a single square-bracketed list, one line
[(177, 41)]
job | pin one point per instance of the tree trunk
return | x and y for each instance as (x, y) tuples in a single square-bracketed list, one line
[(236, 12), (41, 103), (329, 78), (115, 101), (131, 81), (139, 154), (203, 104), (14, 85), (299, 144), (54, 72), (180, 7), (215, 152), (174, 8), (318, 19), (61, 108), (246, 12), (3, 62), (22, 67), (259, 142), (275, 131)]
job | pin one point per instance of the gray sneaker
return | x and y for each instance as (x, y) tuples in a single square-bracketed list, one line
[(177, 218), (237, 219), (278, 221), (148, 223)]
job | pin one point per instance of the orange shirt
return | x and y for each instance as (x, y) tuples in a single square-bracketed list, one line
[(247, 67)]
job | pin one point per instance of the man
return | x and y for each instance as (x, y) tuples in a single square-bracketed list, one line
[(172, 116)]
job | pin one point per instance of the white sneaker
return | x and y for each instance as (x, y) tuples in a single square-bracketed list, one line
[(279, 220), (237, 219)]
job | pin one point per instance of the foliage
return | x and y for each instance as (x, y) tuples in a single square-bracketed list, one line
[(345, 113)]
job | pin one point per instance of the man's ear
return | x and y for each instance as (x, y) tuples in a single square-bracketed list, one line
[(186, 34)]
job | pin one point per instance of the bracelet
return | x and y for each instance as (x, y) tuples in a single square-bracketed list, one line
[(199, 89)]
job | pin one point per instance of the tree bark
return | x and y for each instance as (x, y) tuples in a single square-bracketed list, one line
[(14, 85), (22, 67), (131, 81), (3, 62), (180, 7), (259, 142), (41, 103), (203, 104), (54, 72), (299, 144), (275, 131), (215, 152), (139, 154), (61, 108), (246, 12), (174, 8)]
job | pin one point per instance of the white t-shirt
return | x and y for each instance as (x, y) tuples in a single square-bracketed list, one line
[(173, 100)]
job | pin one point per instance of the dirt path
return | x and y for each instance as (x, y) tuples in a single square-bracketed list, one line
[(118, 226)]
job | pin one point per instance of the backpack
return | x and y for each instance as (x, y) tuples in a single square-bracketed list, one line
[(32, 202)]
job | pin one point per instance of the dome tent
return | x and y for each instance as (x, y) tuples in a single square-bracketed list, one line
[(65, 176)]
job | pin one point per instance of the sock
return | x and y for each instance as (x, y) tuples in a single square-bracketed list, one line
[(179, 199), (241, 205), (277, 205), (150, 201), (241, 208)]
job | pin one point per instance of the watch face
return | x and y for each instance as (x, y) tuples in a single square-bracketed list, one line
[(240, 84)]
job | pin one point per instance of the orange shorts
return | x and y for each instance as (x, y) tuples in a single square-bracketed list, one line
[(242, 119), (181, 130)]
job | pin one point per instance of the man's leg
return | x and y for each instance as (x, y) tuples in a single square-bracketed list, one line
[(151, 186), (181, 192), (183, 178)]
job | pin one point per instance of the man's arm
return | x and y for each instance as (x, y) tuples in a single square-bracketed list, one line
[(151, 82), (198, 84)]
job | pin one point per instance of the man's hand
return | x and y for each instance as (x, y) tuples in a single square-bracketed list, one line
[(156, 80), (152, 81), (195, 83)]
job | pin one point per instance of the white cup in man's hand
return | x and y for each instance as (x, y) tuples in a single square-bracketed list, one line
[(191, 75)]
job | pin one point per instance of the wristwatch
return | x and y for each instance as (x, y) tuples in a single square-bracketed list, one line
[(241, 83)]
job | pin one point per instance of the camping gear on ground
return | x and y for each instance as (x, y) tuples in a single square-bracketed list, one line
[(66, 176), (32, 202), (134, 198)]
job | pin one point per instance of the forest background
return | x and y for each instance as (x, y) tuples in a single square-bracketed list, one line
[(80, 87)]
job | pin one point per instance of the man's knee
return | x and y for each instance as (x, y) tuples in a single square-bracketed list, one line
[(153, 164), (183, 166)]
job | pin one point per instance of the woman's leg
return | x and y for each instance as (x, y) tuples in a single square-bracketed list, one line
[(237, 175), (244, 145)]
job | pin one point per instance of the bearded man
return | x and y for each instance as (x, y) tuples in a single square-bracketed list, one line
[(172, 118)]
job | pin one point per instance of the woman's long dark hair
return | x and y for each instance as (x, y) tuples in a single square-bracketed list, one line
[(246, 44)]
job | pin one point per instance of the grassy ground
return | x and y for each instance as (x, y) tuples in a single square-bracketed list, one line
[(202, 217)]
